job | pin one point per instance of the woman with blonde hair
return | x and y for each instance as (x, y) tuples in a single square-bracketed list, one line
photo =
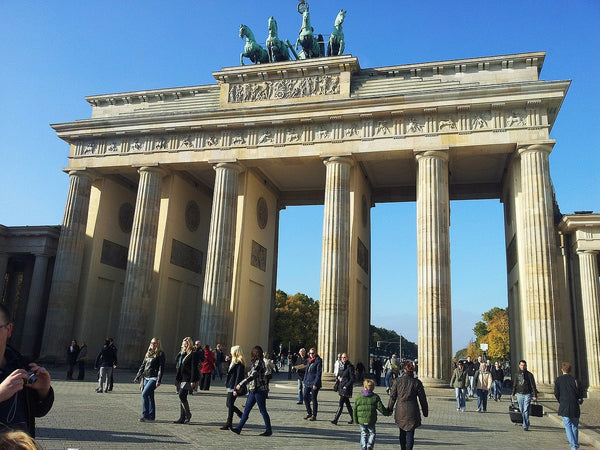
[(235, 375), (150, 372), (186, 377)]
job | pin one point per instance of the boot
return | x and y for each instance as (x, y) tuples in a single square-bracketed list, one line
[(227, 425), (351, 421), (188, 414), (338, 413), (181, 414)]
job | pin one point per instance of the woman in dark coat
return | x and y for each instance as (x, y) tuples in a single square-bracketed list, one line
[(345, 381), (404, 394), (186, 377), (151, 372), (235, 375)]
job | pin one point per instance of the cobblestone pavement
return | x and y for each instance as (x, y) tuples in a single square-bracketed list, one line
[(84, 419)]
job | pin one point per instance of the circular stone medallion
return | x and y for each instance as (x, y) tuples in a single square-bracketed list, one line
[(262, 213), (192, 216), (126, 217)]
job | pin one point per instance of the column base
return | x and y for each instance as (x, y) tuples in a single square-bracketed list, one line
[(326, 379), (434, 382)]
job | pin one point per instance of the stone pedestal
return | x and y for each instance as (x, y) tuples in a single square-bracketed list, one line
[(590, 302), (538, 266), (216, 298), (67, 268), (136, 303), (335, 265), (433, 269)]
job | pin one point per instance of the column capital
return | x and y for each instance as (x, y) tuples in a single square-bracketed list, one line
[(84, 173), (152, 169), (443, 154), (587, 251), (234, 165), (339, 159), (545, 148)]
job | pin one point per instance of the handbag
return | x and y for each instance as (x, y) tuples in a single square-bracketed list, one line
[(536, 410), (336, 385), (243, 390)]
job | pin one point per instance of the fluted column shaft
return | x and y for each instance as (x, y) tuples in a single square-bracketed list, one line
[(62, 303), (590, 302), (538, 264), (216, 297), (433, 268), (33, 313), (335, 265), (137, 289)]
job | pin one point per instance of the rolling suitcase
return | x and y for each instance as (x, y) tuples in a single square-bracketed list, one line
[(515, 414)]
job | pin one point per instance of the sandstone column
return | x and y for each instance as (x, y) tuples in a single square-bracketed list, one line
[(216, 297), (137, 290), (35, 308), (538, 264), (433, 268), (590, 301), (62, 304), (335, 265)]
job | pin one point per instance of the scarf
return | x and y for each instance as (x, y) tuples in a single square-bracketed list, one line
[(311, 358)]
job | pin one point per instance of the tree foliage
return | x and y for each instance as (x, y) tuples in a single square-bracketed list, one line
[(494, 331), (296, 321), (390, 343)]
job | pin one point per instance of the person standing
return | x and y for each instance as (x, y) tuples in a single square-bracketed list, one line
[(345, 380), (21, 398), (208, 365), (366, 405), (460, 381), (111, 379), (81, 359), (406, 393), (498, 380), (235, 375), (105, 361), (219, 360), (525, 390), (569, 393), (258, 391), (300, 366), (377, 369), (312, 384), (185, 378), (482, 384), (72, 352), (392, 370), (150, 372), (471, 369)]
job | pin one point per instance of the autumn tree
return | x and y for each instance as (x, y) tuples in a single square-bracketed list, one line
[(494, 331), (296, 321)]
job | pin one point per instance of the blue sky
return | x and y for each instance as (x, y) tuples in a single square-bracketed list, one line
[(56, 53)]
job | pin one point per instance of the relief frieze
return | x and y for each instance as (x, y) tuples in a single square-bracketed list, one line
[(284, 89)]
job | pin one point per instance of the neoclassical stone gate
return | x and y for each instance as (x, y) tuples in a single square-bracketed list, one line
[(171, 223)]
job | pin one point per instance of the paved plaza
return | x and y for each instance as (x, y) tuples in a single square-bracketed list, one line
[(83, 419)]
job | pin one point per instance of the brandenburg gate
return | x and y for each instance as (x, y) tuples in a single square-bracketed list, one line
[(171, 221)]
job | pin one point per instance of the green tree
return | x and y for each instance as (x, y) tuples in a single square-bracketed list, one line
[(296, 321), (494, 331), (391, 343)]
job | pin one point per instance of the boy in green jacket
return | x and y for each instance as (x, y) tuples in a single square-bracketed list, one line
[(366, 405)]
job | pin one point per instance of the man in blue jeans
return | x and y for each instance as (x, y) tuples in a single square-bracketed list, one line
[(526, 391), (569, 393)]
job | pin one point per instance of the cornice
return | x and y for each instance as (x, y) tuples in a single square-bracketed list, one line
[(573, 222)]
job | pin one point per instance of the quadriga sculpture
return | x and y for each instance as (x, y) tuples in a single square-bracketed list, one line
[(252, 50)]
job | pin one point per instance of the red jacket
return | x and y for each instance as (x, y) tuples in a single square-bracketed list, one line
[(209, 362)]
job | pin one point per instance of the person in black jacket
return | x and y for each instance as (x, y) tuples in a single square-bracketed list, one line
[(186, 378), (106, 361), (150, 372), (235, 375), (345, 380), (21, 398), (525, 389), (569, 393), (72, 353)]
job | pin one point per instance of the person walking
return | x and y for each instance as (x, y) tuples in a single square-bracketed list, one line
[(345, 383), (471, 368), (482, 384), (377, 367), (460, 381), (406, 393), (258, 391), (392, 370), (185, 378), (300, 367), (72, 352), (366, 405), (150, 373), (569, 393), (498, 380), (312, 384), (525, 390), (235, 375), (111, 378), (81, 359), (208, 365), (106, 361), (219, 360)]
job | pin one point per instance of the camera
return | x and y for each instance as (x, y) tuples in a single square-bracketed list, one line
[(31, 377)]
